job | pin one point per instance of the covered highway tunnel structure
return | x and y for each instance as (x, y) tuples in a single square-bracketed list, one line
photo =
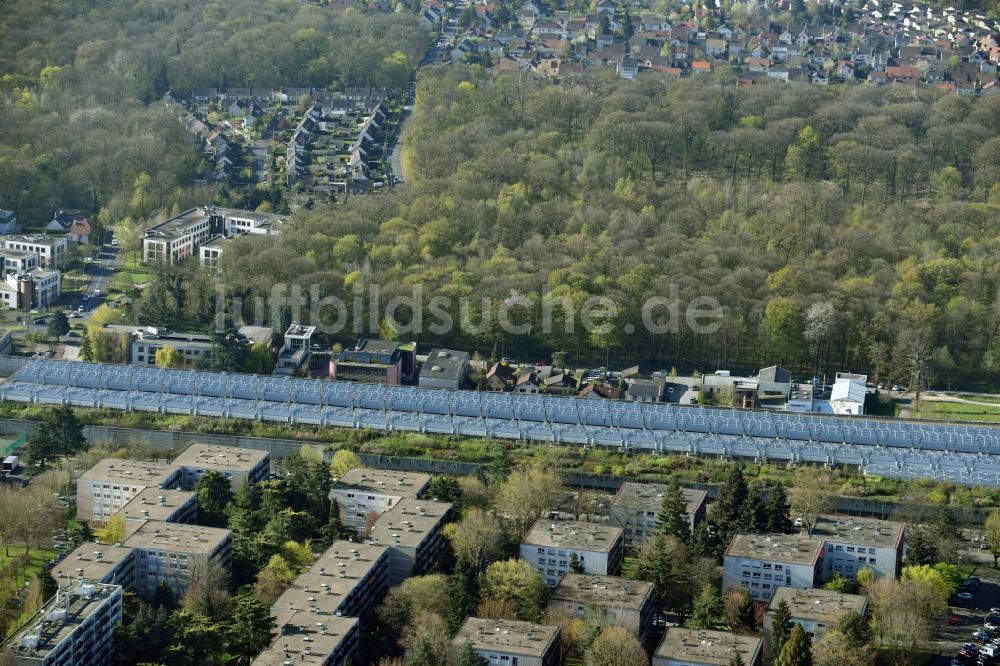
[(883, 447)]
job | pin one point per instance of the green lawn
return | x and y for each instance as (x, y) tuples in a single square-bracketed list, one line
[(957, 411), (9, 585)]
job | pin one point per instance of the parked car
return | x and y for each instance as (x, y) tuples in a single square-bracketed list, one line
[(964, 596), (972, 581)]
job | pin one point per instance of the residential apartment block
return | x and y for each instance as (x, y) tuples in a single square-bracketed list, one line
[(412, 531), (549, 548), (309, 639), (102, 563), (853, 544), (364, 493), (175, 553), (626, 603), (636, 507), (816, 609), (108, 486), (349, 579), (51, 250), (236, 464), (169, 506), (761, 563), (74, 628), (509, 642), (694, 647)]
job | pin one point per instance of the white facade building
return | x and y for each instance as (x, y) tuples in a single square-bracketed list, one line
[(549, 547), (761, 563)]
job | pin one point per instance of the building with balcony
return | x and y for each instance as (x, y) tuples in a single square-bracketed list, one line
[(75, 627)]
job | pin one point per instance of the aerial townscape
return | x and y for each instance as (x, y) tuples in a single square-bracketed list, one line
[(489, 333)]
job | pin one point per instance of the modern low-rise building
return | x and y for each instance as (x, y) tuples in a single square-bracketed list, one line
[(74, 628), (509, 642), (362, 493), (51, 250), (412, 531), (445, 369), (210, 253), (179, 237), (636, 507), (349, 579), (18, 261), (310, 639), (852, 543), (239, 465), (104, 489), (761, 563), (696, 647), (176, 553), (144, 341), (37, 288), (816, 609), (550, 548), (294, 353), (624, 603), (103, 563), (375, 362)]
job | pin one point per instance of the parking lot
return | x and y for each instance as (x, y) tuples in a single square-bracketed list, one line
[(970, 615)]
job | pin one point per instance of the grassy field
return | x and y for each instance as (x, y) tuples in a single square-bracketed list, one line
[(12, 576), (958, 411)]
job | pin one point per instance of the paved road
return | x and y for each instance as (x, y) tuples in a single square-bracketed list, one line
[(970, 616)]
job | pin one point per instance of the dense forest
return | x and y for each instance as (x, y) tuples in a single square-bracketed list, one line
[(841, 228), (80, 81)]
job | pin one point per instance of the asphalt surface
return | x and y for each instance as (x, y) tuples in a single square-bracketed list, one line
[(970, 615)]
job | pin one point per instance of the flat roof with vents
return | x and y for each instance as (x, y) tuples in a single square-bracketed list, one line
[(221, 458), (59, 619), (383, 481), (870, 532), (506, 636), (158, 504), (139, 472), (91, 561), (714, 648), (445, 364), (784, 548), (306, 638), (611, 591), (178, 538), (649, 496), (408, 523), (331, 578), (573, 534), (817, 604)]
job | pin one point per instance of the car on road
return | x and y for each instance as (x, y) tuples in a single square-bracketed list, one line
[(897, 387), (964, 596)]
